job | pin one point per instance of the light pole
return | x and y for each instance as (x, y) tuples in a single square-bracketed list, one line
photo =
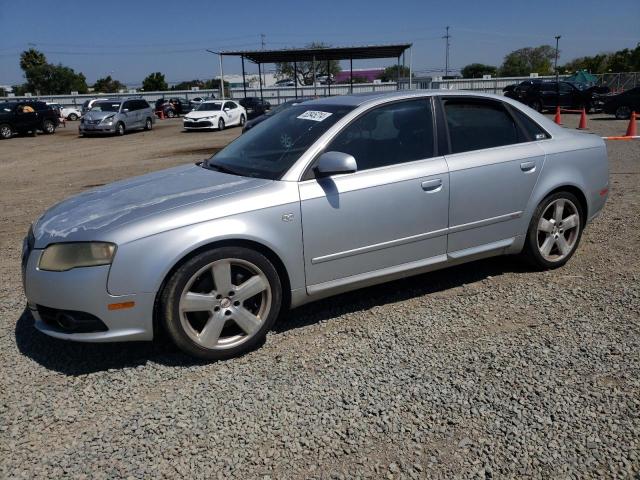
[(555, 67), (221, 73)]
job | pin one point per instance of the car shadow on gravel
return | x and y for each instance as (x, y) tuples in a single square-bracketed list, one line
[(400, 290), (71, 358)]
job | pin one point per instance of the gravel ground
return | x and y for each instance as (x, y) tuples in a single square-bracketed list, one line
[(481, 371)]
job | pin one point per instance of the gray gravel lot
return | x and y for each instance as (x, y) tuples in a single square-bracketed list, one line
[(486, 370)]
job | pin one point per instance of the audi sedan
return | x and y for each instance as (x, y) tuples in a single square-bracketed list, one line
[(327, 196)]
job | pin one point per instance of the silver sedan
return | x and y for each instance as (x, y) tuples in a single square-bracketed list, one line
[(325, 197)]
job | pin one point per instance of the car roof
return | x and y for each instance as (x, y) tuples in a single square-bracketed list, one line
[(358, 99)]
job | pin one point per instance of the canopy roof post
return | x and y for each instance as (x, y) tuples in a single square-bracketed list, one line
[(260, 77), (329, 76), (351, 75), (244, 82), (295, 77)]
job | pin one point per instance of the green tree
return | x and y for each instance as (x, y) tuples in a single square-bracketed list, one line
[(477, 70), (154, 82), (390, 74), (625, 60), (32, 58), (529, 60), (304, 69), (188, 85), (108, 85), (44, 78)]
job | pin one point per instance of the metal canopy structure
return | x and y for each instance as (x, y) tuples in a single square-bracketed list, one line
[(317, 55)]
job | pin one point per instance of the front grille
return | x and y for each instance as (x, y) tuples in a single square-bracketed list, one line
[(70, 321), (197, 124)]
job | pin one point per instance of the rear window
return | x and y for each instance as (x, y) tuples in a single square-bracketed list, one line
[(533, 130), (476, 125)]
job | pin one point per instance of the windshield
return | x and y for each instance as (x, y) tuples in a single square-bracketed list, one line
[(105, 107), (269, 149), (209, 106)]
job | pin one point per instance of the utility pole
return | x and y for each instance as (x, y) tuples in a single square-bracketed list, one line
[(263, 40), (446, 57)]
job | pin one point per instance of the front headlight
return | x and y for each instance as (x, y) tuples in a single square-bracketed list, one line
[(108, 119), (60, 257)]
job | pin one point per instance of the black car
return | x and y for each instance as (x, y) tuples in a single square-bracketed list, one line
[(254, 106), (173, 107), (622, 104), (23, 117), (283, 106), (547, 95)]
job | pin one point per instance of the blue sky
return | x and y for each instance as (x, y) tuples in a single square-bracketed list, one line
[(128, 40)]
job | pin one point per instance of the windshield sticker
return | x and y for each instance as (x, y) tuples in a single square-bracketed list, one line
[(314, 115)]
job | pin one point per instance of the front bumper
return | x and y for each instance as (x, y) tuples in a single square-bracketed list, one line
[(83, 291), (199, 125), (100, 128)]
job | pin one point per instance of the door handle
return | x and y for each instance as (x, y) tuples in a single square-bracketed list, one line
[(432, 186), (528, 166)]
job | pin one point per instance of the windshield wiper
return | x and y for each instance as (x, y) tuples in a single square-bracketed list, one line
[(222, 169)]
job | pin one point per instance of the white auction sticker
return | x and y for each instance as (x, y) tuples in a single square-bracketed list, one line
[(314, 115)]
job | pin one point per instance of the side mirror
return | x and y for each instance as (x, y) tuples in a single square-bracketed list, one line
[(335, 163), (125, 110), (227, 109)]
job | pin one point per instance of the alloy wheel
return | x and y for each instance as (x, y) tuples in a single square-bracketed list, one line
[(558, 230), (5, 131), (225, 303)]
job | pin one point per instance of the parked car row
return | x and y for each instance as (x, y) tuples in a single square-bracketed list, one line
[(545, 95)]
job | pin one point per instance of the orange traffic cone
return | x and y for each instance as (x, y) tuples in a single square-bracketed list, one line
[(161, 114), (558, 118), (632, 129), (583, 120)]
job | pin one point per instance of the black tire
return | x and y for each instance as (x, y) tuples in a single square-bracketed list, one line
[(6, 131), (242, 120), (623, 112), (120, 129), (221, 124), (531, 252), (179, 281), (73, 117), (148, 124), (170, 113), (48, 127), (537, 105)]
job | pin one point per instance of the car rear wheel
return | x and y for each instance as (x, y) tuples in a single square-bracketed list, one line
[(536, 105), (5, 131), (48, 127), (221, 303), (623, 112), (221, 124), (73, 117), (554, 231), (242, 120), (171, 113), (120, 129), (148, 124)]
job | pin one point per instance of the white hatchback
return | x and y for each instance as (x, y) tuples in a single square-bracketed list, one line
[(215, 114)]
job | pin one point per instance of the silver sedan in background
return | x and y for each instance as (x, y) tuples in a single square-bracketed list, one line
[(327, 196)]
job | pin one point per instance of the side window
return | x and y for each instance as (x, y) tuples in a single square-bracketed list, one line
[(229, 105), (534, 131), (127, 105), (388, 135), (475, 125), (565, 88)]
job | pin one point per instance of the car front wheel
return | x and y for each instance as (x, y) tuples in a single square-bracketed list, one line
[(148, 124), (120, 129), (221, 124), (554, 231), (73, 117), (221, 303)]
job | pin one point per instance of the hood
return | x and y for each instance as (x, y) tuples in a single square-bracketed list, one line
[(202, 113), (89, 215), (95, 115)]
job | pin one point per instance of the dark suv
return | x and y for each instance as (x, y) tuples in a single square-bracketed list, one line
[(23, 117), (547, 95), (254, 106), (173, 107)]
